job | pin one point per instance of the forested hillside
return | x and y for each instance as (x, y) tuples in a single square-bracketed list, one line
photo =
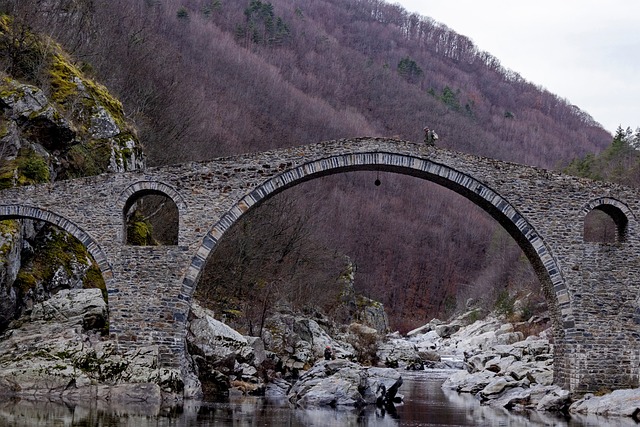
[(209, 78)]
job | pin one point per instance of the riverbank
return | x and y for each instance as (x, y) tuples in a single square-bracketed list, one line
[(425, 403), (58, 354)]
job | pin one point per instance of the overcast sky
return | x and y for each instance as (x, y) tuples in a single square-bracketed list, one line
[(587, 51)]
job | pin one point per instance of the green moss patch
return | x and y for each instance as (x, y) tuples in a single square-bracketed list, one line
[(59, 249), (87, 159), (140, 231), (27, 168), (65, 78), (25, 281)]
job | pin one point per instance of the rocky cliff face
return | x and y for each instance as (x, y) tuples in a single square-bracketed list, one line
[(55, 123)]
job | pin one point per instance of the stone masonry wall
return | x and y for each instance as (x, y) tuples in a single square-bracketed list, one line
[(592, 289)]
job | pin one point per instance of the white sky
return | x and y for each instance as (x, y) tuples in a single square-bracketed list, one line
[(586, 51)]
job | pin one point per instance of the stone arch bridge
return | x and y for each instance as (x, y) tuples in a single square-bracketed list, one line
[(592, 289)]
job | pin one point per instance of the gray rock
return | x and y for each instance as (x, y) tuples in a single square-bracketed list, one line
[(372, 314), (429, 355), (555, 399), (51, 354), (218, 345), (509, 337), (342, 383), (516, 397), (541, 376), (259, 352), (103, 125), (478, 362), (519, 370), (397, 352), (455, 364), (429, 327), (624, 403), (538, 347), (505, 350), (330, 383), (499, 364), (495, 387), (301, 341), (277, 389), (445, 331), (464, 382)]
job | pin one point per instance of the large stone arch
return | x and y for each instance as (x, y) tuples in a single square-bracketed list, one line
[(533, 245), (30, 212)]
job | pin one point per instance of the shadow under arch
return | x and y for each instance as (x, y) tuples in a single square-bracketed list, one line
[(532, 244), (94, 249)]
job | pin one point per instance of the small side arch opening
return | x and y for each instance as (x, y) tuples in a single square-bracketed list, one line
[(151, 218), (605, 223)]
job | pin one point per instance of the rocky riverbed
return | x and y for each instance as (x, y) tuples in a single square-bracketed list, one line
[(57, 350)]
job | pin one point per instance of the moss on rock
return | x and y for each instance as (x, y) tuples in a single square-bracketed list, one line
[(25, 281), (139, 231), (97, 136), (27, 168), (57, 251), (9, 232)]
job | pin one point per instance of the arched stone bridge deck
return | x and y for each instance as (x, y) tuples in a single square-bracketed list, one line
[(592, 288)]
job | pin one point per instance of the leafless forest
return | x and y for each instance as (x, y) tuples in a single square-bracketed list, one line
[(207, 78)]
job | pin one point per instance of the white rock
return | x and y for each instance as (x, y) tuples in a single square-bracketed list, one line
[(620, 403)]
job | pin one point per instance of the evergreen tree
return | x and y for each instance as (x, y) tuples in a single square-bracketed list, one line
[(409, 69)]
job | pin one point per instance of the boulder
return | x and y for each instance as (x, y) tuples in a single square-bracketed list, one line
[(217, 342), (218, 351), (516, 397), (509, 337), (371, 313), (397, 352), (277, 389), (429, 355), (300, 341), (445, 331), (624, 403), (556, 399), (425, 328), (259, 352), (330, 383), (464, 382), (340, 383), (495, 387)]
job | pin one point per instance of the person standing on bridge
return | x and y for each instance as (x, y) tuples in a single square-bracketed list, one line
[(430, 136)]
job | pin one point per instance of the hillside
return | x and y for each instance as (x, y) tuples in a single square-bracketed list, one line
[(208, 78)]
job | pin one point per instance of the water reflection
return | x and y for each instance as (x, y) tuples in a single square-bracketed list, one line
[(426, 404)]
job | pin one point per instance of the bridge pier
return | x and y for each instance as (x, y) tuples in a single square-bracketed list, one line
[(602, 346), (144, 301)]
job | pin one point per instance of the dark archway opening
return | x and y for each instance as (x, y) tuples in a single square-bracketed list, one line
[(421, 249), (434, 246), (151, 218), (605, 224)]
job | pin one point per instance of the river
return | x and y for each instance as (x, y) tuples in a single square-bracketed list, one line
[(426, 404)]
